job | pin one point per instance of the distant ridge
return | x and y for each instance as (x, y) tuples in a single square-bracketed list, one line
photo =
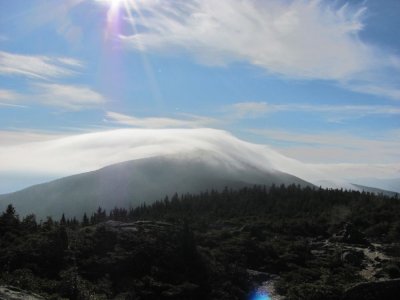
[(134, 182), (376, 190)]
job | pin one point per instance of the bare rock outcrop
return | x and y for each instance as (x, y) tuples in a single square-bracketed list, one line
[(12, 293)]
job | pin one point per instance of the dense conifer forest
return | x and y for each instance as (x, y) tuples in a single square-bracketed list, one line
[(310, 243)]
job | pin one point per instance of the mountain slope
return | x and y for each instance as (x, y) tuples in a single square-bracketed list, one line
[(145, 165), (134, 182), (389, 184), (375, 190)]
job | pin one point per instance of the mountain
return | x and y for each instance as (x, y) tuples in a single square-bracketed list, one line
[(375, 190), (38, 162), (143, 180), (126, 167), (389, 184)]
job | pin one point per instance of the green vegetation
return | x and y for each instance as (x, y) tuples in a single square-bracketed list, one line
[(202, 246)]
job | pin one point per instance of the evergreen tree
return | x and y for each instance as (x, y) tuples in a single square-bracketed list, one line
[(85, 220), (63, 221), (9, 221), (29, 223)]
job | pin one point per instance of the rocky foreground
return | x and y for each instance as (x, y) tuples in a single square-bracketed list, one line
[(114, 257), (13, 293), (287, 243)]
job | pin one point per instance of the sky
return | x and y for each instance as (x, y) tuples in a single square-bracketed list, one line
[(318, 81)]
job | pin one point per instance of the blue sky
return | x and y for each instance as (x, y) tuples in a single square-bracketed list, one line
[(318, 81)]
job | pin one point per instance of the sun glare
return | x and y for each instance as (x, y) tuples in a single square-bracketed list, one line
[(114, 16), (112, 3)]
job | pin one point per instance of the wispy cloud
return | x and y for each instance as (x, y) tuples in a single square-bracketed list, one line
[(12, 105), (334, 112), (8, 99), (69, 97), (295, 39), (249, 109), (57, 13), (364, 174), (189, 121), (334, 147), (72, 62), (84, 152), (383, 89), (38, 67), (19, 137), (9, 95)]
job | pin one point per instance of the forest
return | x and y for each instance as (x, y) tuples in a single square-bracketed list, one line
[(309, 243)]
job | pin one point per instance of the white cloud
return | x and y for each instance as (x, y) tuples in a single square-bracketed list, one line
[(335, 147), (301, 39), (359, 172), (72, 62), (158, 122), (386, 90), (333, 112), (363, 110), (78, 153), (12, 105), (21, 137), (38, 67), (90, 151), (70, 97), (297, 39), (8, 99)]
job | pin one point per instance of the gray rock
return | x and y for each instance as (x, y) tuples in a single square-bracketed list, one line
[(13, 293)]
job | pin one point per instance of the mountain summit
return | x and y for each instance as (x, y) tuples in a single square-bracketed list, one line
[(127, 167), (134, 182)]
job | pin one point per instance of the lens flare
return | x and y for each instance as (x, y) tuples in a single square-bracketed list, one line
[(111, 2), (260, 296), (114, 17), (121, 15)]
